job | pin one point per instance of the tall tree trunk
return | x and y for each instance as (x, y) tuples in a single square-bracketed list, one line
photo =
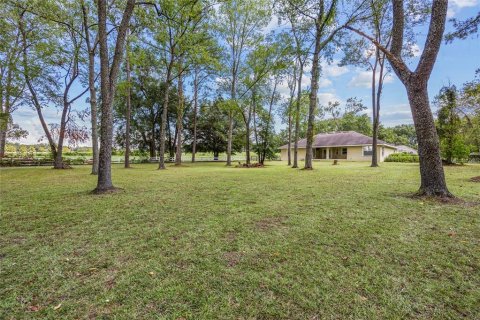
[(173, 143), (4, 119), (292, 87), (248, 119), (374, 112), (108, 81), (431, 169), (51, 143), (128, 115), (4, 113), (247, 135), (297, 115), (313, 100), (3, 142), (289, 144), (35, 100), (178, 155), (163, 126), (230, 118), (195, 110), (58, 161), (93, 91), (374, 144), (94, 120), (255, 132), (151, 148), (229, 138), (152, 141), (104, 182), (247, 145)]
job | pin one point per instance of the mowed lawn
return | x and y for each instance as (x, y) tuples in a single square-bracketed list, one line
[(204, 241)]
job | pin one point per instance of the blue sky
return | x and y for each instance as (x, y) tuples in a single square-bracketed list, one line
[(455, 64)]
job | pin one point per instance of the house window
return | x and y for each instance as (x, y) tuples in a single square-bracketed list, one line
[(383, 151), (367, 151), (344, 151)]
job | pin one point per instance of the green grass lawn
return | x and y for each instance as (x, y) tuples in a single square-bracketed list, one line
[(204, 241)]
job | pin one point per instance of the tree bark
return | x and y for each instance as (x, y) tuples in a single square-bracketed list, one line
[(58, 161), (178, 155), (230, 118), (35, 100), (229, 138), (195, 110), (297, 115), (292, 87), (163, 126), (4, 114), (431, 168), (247, 135), (289, 144), (374, 113), (94, 121), (129, 111), (93, 91), (3, 140), (108, 81), (313, 100), (248, 119)]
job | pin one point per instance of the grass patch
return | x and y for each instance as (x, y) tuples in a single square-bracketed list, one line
[(206, 241)]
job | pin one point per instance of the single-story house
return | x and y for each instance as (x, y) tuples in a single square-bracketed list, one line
[(406, 149), (346, 145)]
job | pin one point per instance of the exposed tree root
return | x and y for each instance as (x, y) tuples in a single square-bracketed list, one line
[(106, 190), (440, 194)]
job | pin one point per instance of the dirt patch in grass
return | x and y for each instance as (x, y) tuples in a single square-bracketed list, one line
[(111, 279), (231, 236), (269, 223), (475, 179), (232, 258)]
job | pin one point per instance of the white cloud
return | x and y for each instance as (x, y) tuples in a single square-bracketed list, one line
[(416, 50), (463, 3), (306, 82), (333, 70), (324, 82), (363, 79), (325, 97), (454, 6)]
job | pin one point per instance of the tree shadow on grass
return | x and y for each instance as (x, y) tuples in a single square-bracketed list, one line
[(435, 200)]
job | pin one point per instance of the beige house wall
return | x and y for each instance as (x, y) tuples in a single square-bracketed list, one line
[(301, 154), (388, 151), (353, 154)]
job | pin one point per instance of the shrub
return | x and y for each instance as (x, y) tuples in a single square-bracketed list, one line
[(402, 157)]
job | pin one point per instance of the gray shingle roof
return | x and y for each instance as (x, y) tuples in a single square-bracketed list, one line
[(339, 139), (407, 149)]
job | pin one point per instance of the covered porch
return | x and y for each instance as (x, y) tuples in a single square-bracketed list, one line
[(330, 153)]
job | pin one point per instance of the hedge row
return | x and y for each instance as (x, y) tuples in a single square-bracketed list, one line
[(402, 157)]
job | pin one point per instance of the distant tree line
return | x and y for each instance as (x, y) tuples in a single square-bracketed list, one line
[(168, 76)]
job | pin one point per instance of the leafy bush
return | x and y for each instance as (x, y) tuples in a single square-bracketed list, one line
[(402, 157)]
